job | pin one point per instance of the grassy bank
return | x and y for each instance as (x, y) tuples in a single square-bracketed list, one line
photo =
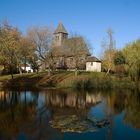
[(97, 81), (85, 80)]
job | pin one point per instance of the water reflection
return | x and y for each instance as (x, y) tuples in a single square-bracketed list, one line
[(72, 99), (26, 114), (132, 115)]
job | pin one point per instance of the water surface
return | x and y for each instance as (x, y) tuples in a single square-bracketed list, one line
[(69, 115)]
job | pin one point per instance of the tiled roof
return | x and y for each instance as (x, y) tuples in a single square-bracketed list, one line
[(60, 29), (92, 59)]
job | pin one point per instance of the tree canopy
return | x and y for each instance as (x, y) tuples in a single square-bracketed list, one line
[(132, 57)]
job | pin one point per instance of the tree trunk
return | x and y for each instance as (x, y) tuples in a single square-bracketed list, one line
[(49, 71), (107, 71), (25, 64), (20, 71), (76, 72), (11, 71), (37, 71)]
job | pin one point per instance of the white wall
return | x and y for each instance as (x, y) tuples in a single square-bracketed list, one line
[(28, 69), (93, 66)]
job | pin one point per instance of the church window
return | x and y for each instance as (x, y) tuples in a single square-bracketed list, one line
[(57, 38)]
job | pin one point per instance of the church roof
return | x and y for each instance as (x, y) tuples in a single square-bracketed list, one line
[(60, 29)]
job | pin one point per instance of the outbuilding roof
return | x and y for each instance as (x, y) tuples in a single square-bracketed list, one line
[(92, 59)]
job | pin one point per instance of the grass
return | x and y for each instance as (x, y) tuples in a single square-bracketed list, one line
[(93, 80), (84, 80)]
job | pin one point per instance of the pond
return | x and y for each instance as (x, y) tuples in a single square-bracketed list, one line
[(41, 114)]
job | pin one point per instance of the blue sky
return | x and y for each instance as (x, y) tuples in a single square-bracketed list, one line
[(90, 18)]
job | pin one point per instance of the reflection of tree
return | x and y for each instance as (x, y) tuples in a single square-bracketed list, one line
[(132, 115), (115, 104), (19, 113), (119, 101), (13, 113), (26, 116), (109, 111)]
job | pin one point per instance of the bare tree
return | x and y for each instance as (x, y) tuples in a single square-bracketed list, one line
[(42, 38), (108, 52)]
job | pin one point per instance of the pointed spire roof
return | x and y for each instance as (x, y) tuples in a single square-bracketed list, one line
[(60, 29)]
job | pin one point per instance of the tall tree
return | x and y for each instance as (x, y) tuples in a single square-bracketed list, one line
[(42, 38), (108, 52), (9, 46)]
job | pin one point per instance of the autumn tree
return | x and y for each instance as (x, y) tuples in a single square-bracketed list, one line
[(9, 47), (108, 52)]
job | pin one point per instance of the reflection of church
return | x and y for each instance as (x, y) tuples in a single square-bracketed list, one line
[(72, 100), (71, 103)]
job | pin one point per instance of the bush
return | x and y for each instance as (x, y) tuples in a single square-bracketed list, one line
[(83, 84), (102, 82)]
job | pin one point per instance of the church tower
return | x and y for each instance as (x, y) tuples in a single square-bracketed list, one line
[(60, 35)]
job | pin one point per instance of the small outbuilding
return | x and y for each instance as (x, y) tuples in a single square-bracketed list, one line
[(26, 68), (93, 64)]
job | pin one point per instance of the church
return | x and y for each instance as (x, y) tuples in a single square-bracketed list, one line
[(72, 53), (60, 35)]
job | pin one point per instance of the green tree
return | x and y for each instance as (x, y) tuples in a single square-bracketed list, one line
[(119, 61), (132, 57), (119, 58)]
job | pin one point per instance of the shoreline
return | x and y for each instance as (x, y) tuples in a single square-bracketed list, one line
[(63, 80)]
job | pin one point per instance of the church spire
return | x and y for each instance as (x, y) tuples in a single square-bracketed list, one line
[(60, 29)]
